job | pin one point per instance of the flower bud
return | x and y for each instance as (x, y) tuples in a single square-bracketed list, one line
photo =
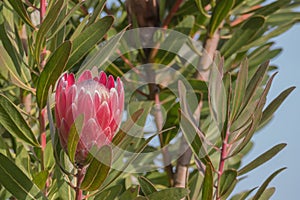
[(98, 100)]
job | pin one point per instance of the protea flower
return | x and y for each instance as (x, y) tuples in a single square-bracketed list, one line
[(99, 100)]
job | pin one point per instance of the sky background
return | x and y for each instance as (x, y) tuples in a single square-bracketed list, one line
[(284, 128), (285, 125)]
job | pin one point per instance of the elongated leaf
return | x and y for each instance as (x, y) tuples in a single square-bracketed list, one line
[(274, 105), (102, 55), (9, 71), (265, 184), (242, 195), (129, 194), (262, 159), (46, 27), (66, 18), (53, 69), (97, 170), (255, 82), (146, 186), (208, 183), (219, 14), (16, 182), (73, 137), (12, 120), (170, 193), (96, 13), (21, 11), (240, 88), (88, 39), (110, 193), (201, 8), (267, 194), (228, 179), (242, 36), (40, 179)]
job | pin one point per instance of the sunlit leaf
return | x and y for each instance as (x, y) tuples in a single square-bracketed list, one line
[(262, 159), (219, 14), (110, 193), (20, 9), (12, 120), (263, 187), (98, 169), (52, 71), (16, 182), (170, 193), (146, 186), (208, 183), (88, 38)]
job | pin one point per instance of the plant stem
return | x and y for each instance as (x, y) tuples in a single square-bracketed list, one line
[(42, 15), (79, 176), (172, 13), (165, 152), (223, 157)]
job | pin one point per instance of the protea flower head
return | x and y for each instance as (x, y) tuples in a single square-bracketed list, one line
[(99, 100)]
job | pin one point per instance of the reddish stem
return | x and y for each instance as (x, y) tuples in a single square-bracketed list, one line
[(223, 157), (79, 176), (42, 15), (172, 13)]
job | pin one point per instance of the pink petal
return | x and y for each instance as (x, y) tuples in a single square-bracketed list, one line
[(113, 101), (70, 79), (86, 75), (64, 133), (70, 96), (104, 138), (97, 100), (61, 105), (102, 78), (85, 106), (71, 114), (111, 82), (89, 133), (103, 116)]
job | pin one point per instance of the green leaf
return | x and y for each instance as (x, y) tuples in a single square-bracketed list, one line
[(73, 137), (66, 18), (170, 193), (129, 194), (242, 195), (96, 12), (146, 186), (240, 89), (274, 105), (88, 39), (40, 179), (267, 194), (16, 182), (201, 8), (9, 71), (102, 55), (46, 27), (242, 36), (208, 183), (255, 82), (52, 71), (262, 159), (18, 6), (98, 169), (220, 12), (263, 187), (12, 120), (110, 193), (228, 179)]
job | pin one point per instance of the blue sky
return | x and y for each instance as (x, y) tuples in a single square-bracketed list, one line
[(284, 126)]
